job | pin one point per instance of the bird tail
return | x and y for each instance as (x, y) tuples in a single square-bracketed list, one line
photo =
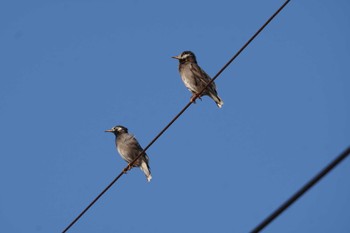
[(217, 100), (145, 168)]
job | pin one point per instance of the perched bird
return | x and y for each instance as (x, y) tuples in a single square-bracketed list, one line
[(129, 148), (195, 79)]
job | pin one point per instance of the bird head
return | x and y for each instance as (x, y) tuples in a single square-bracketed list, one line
[(117, 130), (186, 56)]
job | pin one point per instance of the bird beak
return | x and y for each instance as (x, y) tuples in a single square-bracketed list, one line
[(109, 130), (176, 57)]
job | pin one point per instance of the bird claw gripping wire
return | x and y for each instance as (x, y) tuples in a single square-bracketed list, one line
[(194, 97), (128, 168)]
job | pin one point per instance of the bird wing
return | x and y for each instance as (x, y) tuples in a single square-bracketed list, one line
[(201, 77), (135, 147)]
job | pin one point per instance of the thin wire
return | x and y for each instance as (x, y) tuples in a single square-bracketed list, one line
[(125, 169), (301, 191), (175, 118), (246, 44)]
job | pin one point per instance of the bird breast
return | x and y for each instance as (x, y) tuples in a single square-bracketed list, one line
[(125, 146), (188, 78)]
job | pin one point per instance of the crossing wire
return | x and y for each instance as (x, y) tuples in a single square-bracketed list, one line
[(175, 118), (301, 191)]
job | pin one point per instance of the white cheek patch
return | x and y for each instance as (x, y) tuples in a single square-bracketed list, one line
[(185, 56)]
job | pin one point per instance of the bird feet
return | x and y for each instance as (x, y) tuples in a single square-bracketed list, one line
[(194, 97), (128, 168)]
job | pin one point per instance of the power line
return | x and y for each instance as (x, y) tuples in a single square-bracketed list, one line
[(301, 191), (175, 118)]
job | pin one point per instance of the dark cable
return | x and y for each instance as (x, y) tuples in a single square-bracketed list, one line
[(303, 190), (125, 169), (246, 44), (174, 119)]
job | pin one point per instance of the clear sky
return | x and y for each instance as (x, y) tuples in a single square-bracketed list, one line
[(72, 69)]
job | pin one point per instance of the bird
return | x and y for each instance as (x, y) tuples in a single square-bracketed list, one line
[(129, 148), (195, 79)]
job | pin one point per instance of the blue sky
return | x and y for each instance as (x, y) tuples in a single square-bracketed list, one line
[(71, 69)]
